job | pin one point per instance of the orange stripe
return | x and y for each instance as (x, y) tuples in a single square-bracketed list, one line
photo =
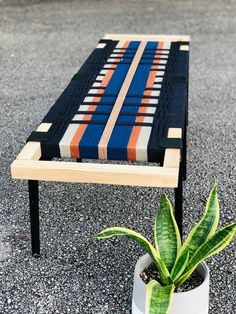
[(74, 144), (107, 78), (126, 44), (131, 148)]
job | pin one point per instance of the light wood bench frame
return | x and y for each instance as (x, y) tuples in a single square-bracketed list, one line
[(29, 165)]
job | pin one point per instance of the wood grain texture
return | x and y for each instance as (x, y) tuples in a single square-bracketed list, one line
[(101, 45), (44, 127), (184, 48), (142, 37), (95, 173), (31, 151), (172, 155)]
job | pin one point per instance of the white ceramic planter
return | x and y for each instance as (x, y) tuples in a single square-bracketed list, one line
[(195, 301)]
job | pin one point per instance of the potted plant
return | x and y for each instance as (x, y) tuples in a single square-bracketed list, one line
[(176, 262)]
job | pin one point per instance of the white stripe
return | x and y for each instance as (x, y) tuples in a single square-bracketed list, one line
[(163, 54), (144, 135), (96, 84), (112, 60), (120, 44), (158, 79), (162, 61), (64, 144), (103, 72), (153, 101), (88, 99), (155, 93), (93, 91), (81, 116), (142, 143), (148, 119), (156, 85), (107, 66), (114, 55), (159, 55), (166, 45), (83, 107), (78, 117), (150, 110), (160, 73), (99, 78)]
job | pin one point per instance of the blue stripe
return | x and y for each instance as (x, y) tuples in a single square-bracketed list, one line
[(117, 146), (89, 143)]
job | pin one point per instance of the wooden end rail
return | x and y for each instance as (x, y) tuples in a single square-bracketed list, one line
[(28, 166)]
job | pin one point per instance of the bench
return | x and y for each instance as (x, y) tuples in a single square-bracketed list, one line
[(128, 102)]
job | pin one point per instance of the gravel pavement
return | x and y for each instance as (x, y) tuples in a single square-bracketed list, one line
[(42, 44)]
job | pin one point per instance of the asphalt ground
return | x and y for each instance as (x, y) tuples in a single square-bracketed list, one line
[(42, 44)]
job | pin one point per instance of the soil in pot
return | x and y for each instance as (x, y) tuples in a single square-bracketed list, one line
[(192, 282)]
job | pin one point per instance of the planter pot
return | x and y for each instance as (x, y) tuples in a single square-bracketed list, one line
[(195, 301)]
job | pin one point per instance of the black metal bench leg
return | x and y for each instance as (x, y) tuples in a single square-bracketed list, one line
[(184, 153), (179, 202), (78, 160), (34, 216)]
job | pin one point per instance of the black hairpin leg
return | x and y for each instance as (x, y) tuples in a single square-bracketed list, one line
[(34, 216), (179, 201)]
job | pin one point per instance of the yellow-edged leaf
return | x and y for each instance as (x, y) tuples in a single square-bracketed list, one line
[(180, 265), (206, 226), (158, 298), (166, 233), (147, 246), (216, 243)]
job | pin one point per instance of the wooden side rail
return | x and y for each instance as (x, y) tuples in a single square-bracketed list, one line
[(95, 173)]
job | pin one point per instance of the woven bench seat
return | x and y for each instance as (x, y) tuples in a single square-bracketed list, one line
[(128, 102), (155, 100)]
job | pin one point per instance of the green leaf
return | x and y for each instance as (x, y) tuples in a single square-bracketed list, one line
[(166, 233), (180, 265), (206, 226), (159, 298), (147, 246), (216, 243)]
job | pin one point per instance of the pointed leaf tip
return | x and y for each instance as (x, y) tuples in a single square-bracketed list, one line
[(166, 233), (216, 243), (206, 226)]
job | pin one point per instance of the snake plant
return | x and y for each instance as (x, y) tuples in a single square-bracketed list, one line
[(174, 261)]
